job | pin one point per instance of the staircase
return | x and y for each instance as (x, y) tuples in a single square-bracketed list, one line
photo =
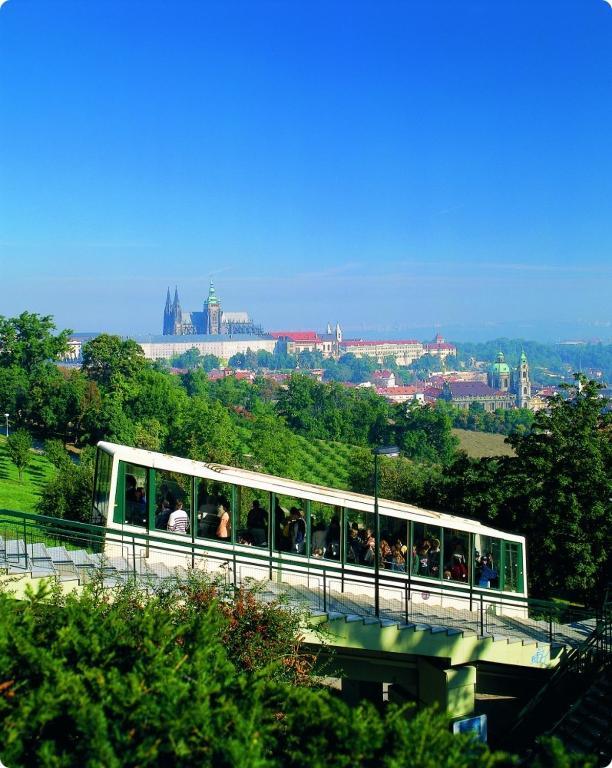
[(349, 614), (587, 727), (576, 702)]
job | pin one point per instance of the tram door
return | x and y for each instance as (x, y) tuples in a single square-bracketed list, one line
[(133, 502)]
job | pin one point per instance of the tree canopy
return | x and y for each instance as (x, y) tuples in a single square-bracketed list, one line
[(28, 340), (107, 357), (193, 674), (19, 446)]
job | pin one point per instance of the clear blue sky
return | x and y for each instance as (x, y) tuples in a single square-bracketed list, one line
[(391, 165)]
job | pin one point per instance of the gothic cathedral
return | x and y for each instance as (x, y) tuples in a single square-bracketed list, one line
[(212, 321)]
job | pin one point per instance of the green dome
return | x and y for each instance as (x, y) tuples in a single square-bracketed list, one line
[(500, 365), (212, 296)]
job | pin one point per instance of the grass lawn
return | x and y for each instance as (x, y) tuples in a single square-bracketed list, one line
[(22, 496), (480, 444)]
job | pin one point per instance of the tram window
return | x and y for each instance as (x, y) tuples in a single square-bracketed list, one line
[(512, 567), (253, 516), (325, 530), (393, 543), (487, 559), (456, 551), (426, 551), (214, 505), (172, 494), (360, 541), (102, 486), (290, 524), (136, 495)]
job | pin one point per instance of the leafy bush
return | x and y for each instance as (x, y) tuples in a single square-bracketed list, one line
[(188, 675)]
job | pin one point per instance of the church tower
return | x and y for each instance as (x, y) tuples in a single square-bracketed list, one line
[(177, 314), (167, 326), (523, 383), (212, 312), (498, 376)]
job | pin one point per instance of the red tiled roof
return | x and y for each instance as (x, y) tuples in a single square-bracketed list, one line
[(410, 389), (472, 389), (295, 335)]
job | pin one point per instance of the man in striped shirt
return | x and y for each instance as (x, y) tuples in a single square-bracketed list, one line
[(178, 522)]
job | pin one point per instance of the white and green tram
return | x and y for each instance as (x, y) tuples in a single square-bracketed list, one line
[(263, 524)]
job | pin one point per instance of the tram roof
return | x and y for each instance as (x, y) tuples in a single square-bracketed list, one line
[(287, 487)]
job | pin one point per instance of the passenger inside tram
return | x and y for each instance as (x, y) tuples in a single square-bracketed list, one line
[(486, 574), (257, 524), (223, 523), (332, 551), (297, 530), (162, 516), (178, 522), (281, 527), (318, 538)]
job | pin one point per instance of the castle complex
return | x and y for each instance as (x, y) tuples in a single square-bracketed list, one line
[(211, 321)]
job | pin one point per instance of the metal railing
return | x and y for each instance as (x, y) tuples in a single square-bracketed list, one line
[(324, 585), (585, 660)]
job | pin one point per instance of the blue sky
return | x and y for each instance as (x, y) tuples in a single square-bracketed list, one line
[(396, 166)]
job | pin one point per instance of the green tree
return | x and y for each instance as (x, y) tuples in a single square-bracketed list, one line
[(190, 359), (28, 341), (56, 453), (55, 398), (195, 674), (19, 447), (425, 433), (106, 419), (149, 434), (205, 432), (210, 362), (559, 492), (109, 357), (14, 390), (155, 397), (69, 492), (273, 446)]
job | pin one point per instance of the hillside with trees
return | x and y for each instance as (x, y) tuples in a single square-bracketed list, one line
[(556, 489)]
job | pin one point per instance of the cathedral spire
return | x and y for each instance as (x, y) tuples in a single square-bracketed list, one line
[(212, 296), (167, 309)]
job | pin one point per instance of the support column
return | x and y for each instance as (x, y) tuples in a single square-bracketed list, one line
[(451, 689)]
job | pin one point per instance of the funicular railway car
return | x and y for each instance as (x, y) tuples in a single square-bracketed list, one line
[(161, 508)]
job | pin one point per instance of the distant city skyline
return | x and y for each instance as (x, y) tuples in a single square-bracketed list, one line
[(400, 168)]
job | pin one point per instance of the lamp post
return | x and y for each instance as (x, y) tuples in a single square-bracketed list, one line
[(391, 451), (6, 416)]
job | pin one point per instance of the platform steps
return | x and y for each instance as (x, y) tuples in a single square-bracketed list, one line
[(360, 611), (587, 727), (40, 560)]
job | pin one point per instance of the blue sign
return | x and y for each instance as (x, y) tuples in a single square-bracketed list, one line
[(476, 725)]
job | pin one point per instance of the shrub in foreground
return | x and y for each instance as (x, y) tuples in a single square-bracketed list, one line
[(190, 675)]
